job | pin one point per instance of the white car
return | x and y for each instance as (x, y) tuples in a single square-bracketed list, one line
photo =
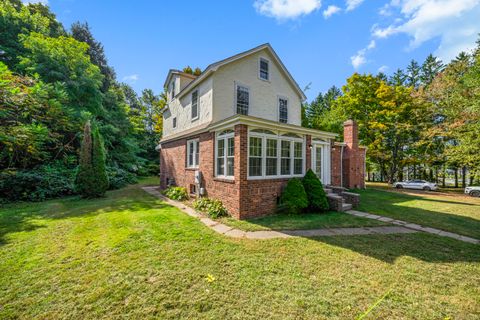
[(416, 184), (473, 191)]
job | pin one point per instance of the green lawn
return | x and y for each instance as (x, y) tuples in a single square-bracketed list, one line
[(131, 256), (458, 214), (302, 221)]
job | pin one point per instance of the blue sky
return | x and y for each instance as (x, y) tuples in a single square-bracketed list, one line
[(320, 42)]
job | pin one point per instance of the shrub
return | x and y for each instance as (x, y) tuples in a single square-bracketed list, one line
[(119, 178), (45, 182), (293, 198), (176, 193), (317, 199), (212, 207)]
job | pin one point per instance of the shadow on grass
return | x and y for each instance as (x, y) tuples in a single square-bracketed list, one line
[(392, 204), (25, 216), (422, 246)]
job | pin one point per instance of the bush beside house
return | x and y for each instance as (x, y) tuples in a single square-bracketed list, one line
[(294, 198), (212, 207), (317, 199)]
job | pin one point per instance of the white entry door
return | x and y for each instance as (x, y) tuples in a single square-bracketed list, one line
[(318, 161)]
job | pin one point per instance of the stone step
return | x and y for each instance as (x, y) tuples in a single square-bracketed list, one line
[(346, 206), (327, 190)]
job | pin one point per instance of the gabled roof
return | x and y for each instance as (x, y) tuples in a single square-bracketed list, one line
[(175, 71), (214, 66)]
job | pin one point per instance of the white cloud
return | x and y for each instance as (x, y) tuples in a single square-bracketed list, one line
[(131, 78), (353, 4), (286, 9), (331, 10), (454, 22), (359, 59), (383, 69)]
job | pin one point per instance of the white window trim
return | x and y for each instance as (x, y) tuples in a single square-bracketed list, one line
[(236, 85), (198, 105), (279, 138), (196, 162), (278, 107), (224, 137), (258, 74)]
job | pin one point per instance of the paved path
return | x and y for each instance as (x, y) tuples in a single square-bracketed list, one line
[(271, 234), (414, 226), (400, 226)]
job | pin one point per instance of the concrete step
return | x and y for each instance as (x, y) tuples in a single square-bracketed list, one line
[(327, 190), (346, 206)]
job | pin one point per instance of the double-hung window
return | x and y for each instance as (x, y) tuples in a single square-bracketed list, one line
[(263, 69), (173, 89), (225, 154), (255, 156), (271, 157), (193, 152), (282, 110), (285, 159), (297, 157), (242, 99), (195, 105), (174, 122)]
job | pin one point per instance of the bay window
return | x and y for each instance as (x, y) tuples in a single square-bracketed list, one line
[(225, 154)]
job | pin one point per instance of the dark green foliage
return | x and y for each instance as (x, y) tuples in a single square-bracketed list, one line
[(176, 193), (98, 163), (51, 82), (38, 184), (212, 207), (294, 198), (91, 180), (119, 178), (317, 199)]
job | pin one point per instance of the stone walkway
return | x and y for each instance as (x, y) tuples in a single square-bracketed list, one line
[(414, 226), (270, 234), (400, 226)]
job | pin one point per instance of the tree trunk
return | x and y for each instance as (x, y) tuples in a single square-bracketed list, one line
[(456, 177), (368, 176), (443, 176), (471, 176), (414, 172), (436, 174), (464, 177), (430, 174)]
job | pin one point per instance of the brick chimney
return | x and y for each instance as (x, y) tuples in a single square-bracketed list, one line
[(350, 134), (353, 157)]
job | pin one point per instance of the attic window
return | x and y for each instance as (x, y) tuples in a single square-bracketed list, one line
[(174, 122), (263, 69)]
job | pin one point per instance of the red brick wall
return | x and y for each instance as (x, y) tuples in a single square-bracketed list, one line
[(173, 165), (353, 159)]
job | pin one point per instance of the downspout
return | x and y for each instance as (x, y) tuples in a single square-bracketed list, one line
[(364, 169), (341, 166)]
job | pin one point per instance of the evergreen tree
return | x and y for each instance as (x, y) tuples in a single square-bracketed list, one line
[(85, 179), (81, 32), (98, 164), (398, 78), (197, 71), (430, 68), (413, 74), (91, 180), (317, 199)]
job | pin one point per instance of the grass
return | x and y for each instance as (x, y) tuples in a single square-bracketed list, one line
[(129, 255), (302, 221), (455, 213)]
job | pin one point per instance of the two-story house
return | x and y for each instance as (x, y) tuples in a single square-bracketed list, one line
[(238, 127)]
